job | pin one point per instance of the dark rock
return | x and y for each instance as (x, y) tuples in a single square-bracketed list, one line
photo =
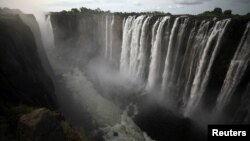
[(40, 125), (23, 78), (162, 124), (115, 134)]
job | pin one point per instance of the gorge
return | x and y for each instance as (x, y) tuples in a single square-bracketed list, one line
[(130, 76)]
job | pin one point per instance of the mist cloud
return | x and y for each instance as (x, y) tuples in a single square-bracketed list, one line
[(189, 2)]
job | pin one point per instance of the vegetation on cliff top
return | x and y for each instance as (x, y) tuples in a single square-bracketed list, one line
[(217, 12)]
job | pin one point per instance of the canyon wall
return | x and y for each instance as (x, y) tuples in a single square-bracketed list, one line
[(198, 64)]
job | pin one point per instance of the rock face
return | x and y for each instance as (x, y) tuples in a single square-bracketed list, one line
[(31, 21), (23, 78), (40, 125)]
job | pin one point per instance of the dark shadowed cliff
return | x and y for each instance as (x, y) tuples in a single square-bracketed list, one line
[(23, 78), (26, 85)]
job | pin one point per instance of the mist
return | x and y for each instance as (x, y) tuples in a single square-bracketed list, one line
[(141, 76)]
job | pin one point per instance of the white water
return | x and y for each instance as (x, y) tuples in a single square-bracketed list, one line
[(126, 42), (154, 69), (236, 71), (173, 54), (196, 50), (107, 36), (205, 64), (187, 65), (104, 112), (186, 70), (109, 30), (142, 57), (135, 45)]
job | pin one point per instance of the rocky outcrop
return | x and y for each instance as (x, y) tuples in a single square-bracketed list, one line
[(40, 125), (23, 78), (24, 123)]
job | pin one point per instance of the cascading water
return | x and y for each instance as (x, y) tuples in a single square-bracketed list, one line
[(126, 41), (84, 94), (142, 57), (193, 55), (135, 44), (191, 48), (46, 31), (236, 71), (109, 36), (171, 57), (154, 71), (205, 64)]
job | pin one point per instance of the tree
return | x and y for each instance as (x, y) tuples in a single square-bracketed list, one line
[(75, 10), (98, 10), (228, 12), (248, 15), (84, 9), (217, 11), (63, 11)]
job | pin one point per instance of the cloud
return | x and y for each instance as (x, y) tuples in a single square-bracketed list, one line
[(173, 6), (176, 6), (135, 2), (190, 2), (242, 1)]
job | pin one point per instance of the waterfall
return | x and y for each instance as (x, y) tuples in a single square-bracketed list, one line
[(109, 25), (111, 38), (135, 44), (236, 71), (46, 29), (154, 71), (193, 54), (134, 47), (142, 58), (44, 39), (82, 92), (106, 36), (50, 35), (173, 57), (205, 64), (126, 41)]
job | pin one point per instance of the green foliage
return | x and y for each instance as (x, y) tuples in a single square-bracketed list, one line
[(247, 15), (83, 10), (156, 13), (227, 12), (63, 12), (217, 11), (75, 10)]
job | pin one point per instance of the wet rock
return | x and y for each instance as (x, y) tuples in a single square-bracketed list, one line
[(115, 134), (23, 78), (40, 125)]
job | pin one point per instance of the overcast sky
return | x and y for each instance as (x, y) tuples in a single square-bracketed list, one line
[(173, 6)]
